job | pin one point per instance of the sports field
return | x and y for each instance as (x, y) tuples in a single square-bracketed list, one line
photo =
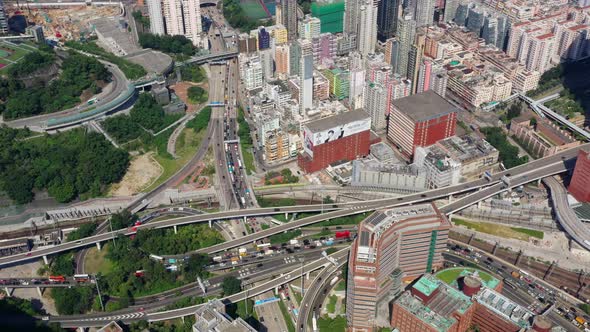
[(10, 53), (253, 9)]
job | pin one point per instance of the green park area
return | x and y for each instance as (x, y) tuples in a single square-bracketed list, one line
[(523, 234), (246, 143), (11, 53)]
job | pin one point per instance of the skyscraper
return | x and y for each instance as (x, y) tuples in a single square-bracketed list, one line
[(156, 18), (392, 52), (475, 19), (305, 75), (424, 14), (173, 17), (489, 31), (408, 238), (367, 32), (451, 10), (406, 30), (294, 58), (288, 17), (351, 16), (387, 16), (192, 20)]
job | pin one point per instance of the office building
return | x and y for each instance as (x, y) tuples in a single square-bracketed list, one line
[(409, 238), (406, 32), (401, 178), (387, 16), (37, 32), (156, 17), (424, 12), (580, 183), (305, 75), (339, 82), (367, 31), (212, 317), (330, 13), (451, 10), (294, 58), (344, 136), (263, 39), (475, 19), (420, 120)]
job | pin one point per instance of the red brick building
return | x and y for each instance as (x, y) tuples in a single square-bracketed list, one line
[(345, 136), (420, 120), (580, 183)]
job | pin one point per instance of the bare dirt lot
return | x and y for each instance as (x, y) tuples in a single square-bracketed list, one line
[(142, 171)]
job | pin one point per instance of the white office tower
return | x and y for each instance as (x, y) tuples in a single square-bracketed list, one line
[(156, 18), (357, 81), (173, 17), (406, 32), (424, 14), (367, 32), (192, 20), (305, 76)]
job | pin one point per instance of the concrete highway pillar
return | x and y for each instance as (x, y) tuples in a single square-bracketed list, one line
[(495, 249), (294, 215), (8, 291), (45, 260), (175, 229), (479, 204), (245, 220), (307, 276), (450, 199), (286, 216), (182, 319), (538, 182), (277, 290), (39, 291), (210, 224), (98, 246)]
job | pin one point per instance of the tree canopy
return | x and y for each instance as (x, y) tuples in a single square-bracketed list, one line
[(30, 63), (508, 152), (169, 44), (231, 285), (197, 95), (67, 165), (78, 73)]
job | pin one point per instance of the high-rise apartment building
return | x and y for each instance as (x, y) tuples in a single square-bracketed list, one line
[(375, 98), (282, 60), (324, 49), (410, 239), (424, 12), (173, 17), (387, 16), (192, 20), (391, 52), (424, 76), (294, 58), (406, 31), (451, 9), (367, 32), (287, 16), (351, 16), (305, 75), (309, 27), (156, 18)]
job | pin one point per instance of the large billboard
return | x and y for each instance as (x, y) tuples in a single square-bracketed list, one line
[(311, 139)]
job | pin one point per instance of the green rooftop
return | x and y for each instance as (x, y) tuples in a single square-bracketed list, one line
[(455, 62), (450, 276), (426, 285)]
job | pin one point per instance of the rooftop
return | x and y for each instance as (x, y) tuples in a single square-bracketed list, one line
[(422, 312), (427, 284), (467, 147), (450, 276), (336, 120), (424, 106), (504, 307)]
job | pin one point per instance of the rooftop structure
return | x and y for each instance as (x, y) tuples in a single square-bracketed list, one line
[(211, 317), (504, 307), (424, 106)]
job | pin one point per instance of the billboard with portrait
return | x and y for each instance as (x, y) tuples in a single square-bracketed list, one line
[(312, 139)]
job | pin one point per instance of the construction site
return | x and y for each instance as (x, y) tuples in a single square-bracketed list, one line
[(64, 22)]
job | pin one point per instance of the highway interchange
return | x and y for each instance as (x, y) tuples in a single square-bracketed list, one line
[(222, 128)]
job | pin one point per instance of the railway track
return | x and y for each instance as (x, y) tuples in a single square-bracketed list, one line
[(560, 277)]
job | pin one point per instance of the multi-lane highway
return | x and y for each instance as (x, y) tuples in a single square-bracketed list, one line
[(321, 283), (143, 314), (538, 168)]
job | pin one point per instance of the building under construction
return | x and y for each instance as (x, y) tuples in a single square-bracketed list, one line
[(330, 13)]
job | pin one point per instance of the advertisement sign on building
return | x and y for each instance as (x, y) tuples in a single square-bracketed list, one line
[(337, 132)]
